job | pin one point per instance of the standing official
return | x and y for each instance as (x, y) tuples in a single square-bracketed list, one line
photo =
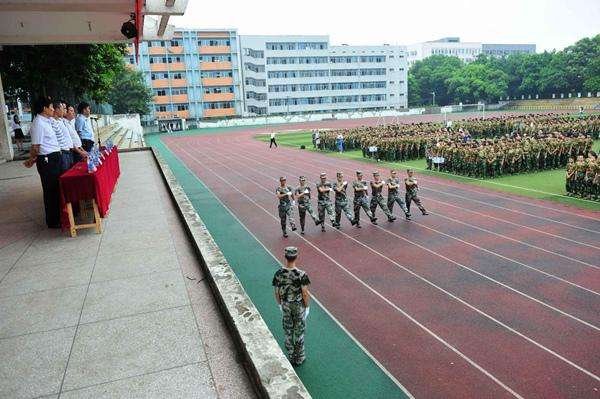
[(377, 197), (45, 153), (83, 126), (272, 141), (361, 199), (285, 194), (394, 196), (78, 152), (62, 135), (292, 296), (341, 200), (324, 201), (412, 190), (303, 196)]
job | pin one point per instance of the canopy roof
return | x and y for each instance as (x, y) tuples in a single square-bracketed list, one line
[(83, 21)]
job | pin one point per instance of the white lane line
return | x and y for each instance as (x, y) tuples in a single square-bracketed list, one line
[(530, 340), (476, 212), (469, 188), (549, 275), (375, 292)]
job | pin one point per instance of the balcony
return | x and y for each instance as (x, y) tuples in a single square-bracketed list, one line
[(157, 50), (214, 49), (172, 114), (159, 67), (176, 50), (161, 100), (160, 83), (179, 98), (212, 97), (179, 83), (227, 81), (177, 66), (216, 113), (215, 66)]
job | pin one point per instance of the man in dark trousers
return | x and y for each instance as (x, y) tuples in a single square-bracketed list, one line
[(45, 154), (272, 141)]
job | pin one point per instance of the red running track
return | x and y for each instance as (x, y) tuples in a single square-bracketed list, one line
[(492, 295)]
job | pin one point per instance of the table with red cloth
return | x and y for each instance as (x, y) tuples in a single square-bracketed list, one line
[(77, 185)]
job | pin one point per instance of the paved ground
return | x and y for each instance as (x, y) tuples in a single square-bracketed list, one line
[(121, 314), (495, 288)]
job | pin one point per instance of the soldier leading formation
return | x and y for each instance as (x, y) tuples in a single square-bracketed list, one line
[(287, 197)]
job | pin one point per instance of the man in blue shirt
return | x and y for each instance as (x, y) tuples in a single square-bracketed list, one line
[(83, 125)]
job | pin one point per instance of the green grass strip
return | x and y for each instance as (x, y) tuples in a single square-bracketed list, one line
[(546, 185), (336, 367)]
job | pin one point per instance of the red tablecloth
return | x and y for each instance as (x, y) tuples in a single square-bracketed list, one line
[(77, 184)]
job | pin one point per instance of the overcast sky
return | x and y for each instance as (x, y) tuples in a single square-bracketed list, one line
[(550, 24)]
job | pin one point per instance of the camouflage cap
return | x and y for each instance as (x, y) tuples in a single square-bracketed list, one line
[(376, 173), (302, 178), (291, 251), (282, 178), (323, 174), (359, 172)]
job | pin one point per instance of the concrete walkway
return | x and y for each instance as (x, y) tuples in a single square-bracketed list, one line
[(124, 314)]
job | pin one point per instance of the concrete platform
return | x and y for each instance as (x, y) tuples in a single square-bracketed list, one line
[(123, 314)]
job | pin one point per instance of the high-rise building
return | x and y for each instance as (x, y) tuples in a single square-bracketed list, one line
[(303, 74), (466, 51), (203, 74)]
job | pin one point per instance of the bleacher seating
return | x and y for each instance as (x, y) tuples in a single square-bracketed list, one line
[(588, 103)]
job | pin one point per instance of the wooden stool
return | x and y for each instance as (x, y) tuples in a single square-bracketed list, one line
[(74, 227)]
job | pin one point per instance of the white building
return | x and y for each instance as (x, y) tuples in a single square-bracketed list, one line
[(466, 51), (301, 74)]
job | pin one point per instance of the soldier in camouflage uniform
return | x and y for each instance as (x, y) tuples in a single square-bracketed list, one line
[(302, 193), (377, 197), (285, 195), (341, 200), (292, 296), (393, 186), (324, 201), (412, 190), (361, 200)]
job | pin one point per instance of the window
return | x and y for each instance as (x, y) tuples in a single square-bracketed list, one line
[(216, 74), (218, 105), (255, 82), (156, 76), (178, 75), (175, 43), (254, 53), (218, 89), (392, 82), (256, 96), (160, 92), (181, 107), (161, 108), (257, 110), (254, 67), (215, 58), (178, 91), (214, 42), (344, 72)]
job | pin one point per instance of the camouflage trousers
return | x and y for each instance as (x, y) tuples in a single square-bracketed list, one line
[(326, 206), (413, 197), (286, 214), (294, 326), (342, 206), (303, 209), (361, 202), (396, 199), (379, 200)]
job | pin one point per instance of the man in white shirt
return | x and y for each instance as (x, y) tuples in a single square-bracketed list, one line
[(62, 135), (45, 153), (69, 121), (273, 141), (83, 126)]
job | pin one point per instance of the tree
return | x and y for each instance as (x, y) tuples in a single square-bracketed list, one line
[(430, 75), (129, 93), (64, 71), (477, 81)]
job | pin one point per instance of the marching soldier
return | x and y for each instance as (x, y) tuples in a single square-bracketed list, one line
[(292, 296), (285, 194), (303, 195), (361, 200), (377, 197), (324, 201), (341, 200), (412, 190), (393, 194)]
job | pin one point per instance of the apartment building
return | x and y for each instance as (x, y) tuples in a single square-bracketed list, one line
[(466, 51), (195, 75), (284, 75)]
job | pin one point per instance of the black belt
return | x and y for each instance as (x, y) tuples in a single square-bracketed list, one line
[(52, 155), (65, 151)]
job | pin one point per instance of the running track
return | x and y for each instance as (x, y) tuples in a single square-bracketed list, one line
[(492, 295)]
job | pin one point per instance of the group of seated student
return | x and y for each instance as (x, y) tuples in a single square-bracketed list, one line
[(58, 140)]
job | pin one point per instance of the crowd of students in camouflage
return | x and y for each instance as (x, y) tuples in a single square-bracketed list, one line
[(478, 147), (583, 177)]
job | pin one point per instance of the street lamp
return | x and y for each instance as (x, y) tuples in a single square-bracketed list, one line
[(433, 100)]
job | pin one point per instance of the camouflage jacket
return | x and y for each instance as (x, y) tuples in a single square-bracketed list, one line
[(289, 283)]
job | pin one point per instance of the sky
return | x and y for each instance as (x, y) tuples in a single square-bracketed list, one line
[(550, 24)]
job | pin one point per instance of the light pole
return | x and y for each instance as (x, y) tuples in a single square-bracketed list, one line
[(433, 100)]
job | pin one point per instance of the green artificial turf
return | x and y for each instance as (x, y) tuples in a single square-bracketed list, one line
[(547, 185)]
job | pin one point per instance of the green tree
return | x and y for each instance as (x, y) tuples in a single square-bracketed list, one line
[(430, 75), (476, 82), (62, 71), (129, 93)]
